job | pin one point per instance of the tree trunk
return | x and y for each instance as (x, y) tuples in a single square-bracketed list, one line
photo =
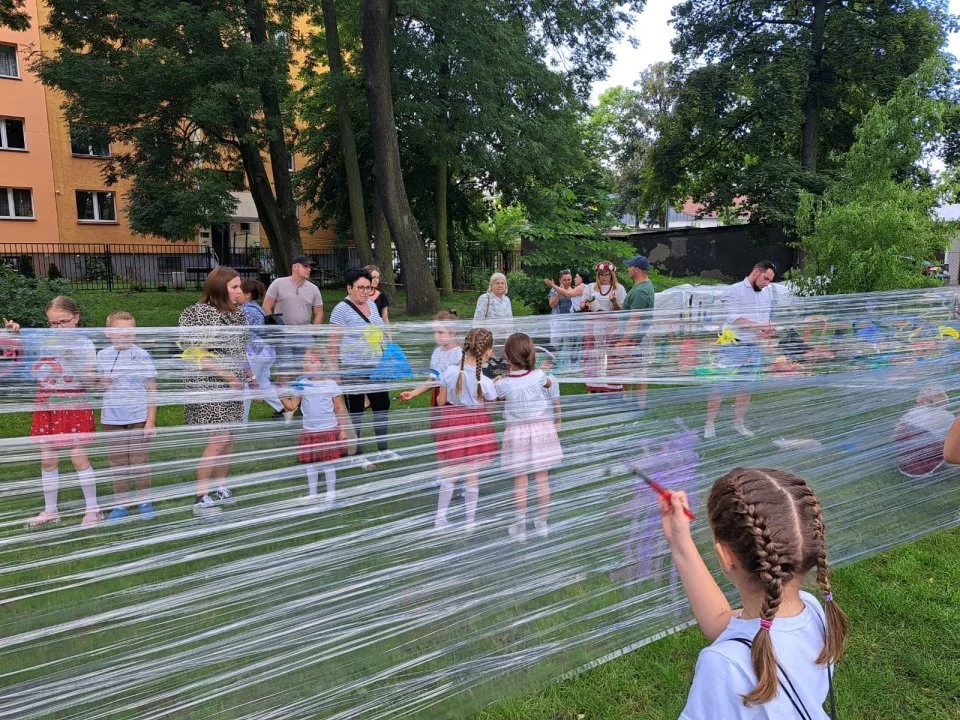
[(358, 219), (811, 103), (283, 228), (377, 34), (383, 249), (443, 247)]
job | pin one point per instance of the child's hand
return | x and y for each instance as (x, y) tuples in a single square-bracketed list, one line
[(676, 525), (343, 436), (406, 396), (11, 325), (149, 430)]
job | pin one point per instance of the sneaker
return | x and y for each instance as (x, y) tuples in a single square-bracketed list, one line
[(540, 527), (145, 510), (709, 432), (288, 416), (91, 518), (743, 430), (361, 461), (387, 456), (205, 506), (469, 528), (223, 496), (118, 514), (44, 518), (441, 524), (518, 531)]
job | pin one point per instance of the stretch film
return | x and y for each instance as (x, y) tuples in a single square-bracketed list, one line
[(360, 604)]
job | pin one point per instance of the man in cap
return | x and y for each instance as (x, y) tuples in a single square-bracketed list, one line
[(294, 297), (637, 347)]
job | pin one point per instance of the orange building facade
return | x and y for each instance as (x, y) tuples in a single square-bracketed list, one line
[(51, 187)]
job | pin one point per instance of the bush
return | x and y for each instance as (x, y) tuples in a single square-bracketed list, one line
[(25, 266), (95, 267), (530, 290), (25, 299), (53, 272)]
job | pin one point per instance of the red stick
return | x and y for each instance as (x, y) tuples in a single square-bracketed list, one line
[(662, 491)]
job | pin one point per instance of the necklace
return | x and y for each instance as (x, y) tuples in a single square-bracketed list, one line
[(518, 374), (602, 293)]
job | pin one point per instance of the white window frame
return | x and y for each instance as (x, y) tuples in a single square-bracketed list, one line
[(3, 134), (89, 153), (16, 61), (11, 204), (96, 208)]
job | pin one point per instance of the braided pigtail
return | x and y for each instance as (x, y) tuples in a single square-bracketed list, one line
[(463, 359), (478, 361), (476, 343), (838, 625)]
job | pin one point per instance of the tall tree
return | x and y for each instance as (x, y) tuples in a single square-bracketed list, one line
[(776, 89), (377, 34), (13, 15), (186, 90)]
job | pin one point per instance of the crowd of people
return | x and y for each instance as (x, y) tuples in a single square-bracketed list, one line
[(767, 524)]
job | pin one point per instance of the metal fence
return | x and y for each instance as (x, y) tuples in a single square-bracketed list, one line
[(91, 266)]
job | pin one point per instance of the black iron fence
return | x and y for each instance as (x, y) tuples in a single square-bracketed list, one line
[(91, 266)]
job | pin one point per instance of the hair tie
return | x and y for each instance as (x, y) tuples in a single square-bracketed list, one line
[(828, 597), (765, 624)]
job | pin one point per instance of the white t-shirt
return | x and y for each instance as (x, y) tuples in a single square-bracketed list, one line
[(724, 670), (125, 399), (593, 291), (316, 404), (525, 395), (448, 378), (742, 301), (552, 393), (441, 359)]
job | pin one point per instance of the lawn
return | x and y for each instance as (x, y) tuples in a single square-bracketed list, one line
[(307, 615)]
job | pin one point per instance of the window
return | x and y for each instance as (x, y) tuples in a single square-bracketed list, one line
[(89, 142), (16, 203), (8, 61), (12, 136), (96, 206)]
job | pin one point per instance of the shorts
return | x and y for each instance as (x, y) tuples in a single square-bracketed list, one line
[(126, 444), (741, 362)]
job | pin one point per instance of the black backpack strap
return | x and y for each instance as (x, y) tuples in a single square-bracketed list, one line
[(358, 311), (792, 695)]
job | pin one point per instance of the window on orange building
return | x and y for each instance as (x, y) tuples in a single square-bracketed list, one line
[(16, 203), (96, 206), (8, 61), (12, 136), (89, 142)]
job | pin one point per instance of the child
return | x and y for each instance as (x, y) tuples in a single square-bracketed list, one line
[(919, 435), (324, 425), (447, 352), (260, 353), (464, 429), (129, 412), (547, 361), (530, 442), (768, 532), (63, 416)]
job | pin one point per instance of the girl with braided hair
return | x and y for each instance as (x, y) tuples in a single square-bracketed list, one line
[(773, 658), (465, 436)]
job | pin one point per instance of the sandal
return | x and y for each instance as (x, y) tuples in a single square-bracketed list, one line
[(44, 518)]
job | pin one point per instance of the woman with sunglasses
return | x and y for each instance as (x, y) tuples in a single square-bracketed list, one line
[(599, 297)]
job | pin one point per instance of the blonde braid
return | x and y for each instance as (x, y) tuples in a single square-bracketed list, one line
[(463, 358)]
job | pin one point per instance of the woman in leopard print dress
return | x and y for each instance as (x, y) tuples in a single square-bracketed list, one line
[(213, 337)]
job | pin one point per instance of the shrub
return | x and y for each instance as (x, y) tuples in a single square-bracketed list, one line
[(25, 266), (25, 299), (53, 272)]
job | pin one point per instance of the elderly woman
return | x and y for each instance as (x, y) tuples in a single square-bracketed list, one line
[(357, 341), (214, 339), (494, 304)]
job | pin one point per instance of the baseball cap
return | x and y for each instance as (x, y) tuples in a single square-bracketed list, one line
[(302, 260), (640, 262)]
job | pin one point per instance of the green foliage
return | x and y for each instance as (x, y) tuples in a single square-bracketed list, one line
[(25, 299), (53, 272), (95, 267), (763, 72), (874, 226), (503, 229), (13, 15), (25, 266)]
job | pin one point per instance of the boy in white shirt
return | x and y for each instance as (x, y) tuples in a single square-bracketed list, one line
[(129, 413)]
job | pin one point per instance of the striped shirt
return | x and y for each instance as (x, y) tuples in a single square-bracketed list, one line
[(362, 342)]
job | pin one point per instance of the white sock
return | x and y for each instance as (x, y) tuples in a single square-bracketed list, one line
[(446, 494), (521, 518), (471, 495), (313, 474), (330, 473), (88, 483), (50, 481)]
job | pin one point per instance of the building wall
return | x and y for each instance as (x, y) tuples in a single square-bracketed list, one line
[(24, 98)]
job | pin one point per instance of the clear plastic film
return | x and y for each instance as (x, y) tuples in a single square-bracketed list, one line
[(361, 603)]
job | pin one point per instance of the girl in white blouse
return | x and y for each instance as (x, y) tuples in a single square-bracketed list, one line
[(530, 442)]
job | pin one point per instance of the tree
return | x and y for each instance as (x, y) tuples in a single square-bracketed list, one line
[(13, 15), (185, 91), (875, 226), (776, 90), (377, 31)]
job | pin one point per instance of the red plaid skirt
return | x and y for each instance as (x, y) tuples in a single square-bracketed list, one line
[(66, 427), (320, 447), (464, 434)]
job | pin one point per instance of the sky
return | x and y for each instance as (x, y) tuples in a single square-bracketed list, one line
[(654, 35)]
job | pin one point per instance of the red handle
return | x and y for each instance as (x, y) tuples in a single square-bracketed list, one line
[(664, 493)]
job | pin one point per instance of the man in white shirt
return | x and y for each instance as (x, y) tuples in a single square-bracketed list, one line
[(746, 307), (296, 300)]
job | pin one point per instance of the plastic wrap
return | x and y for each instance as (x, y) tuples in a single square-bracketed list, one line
[(274, 607)]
